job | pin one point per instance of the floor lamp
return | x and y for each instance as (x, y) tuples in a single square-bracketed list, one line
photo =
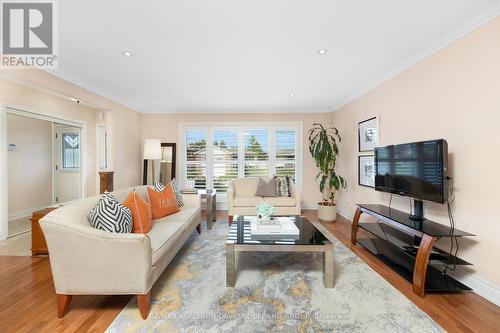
[(152, 152)]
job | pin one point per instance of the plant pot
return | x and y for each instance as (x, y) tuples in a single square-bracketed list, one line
[(327, 213)]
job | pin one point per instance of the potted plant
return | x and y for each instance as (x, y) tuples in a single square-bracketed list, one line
[(324, 150)]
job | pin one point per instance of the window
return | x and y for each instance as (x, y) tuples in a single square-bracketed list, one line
[(70, 150), (196, 157), (225, 158), (214, 154), (286, 141), (256, 153)]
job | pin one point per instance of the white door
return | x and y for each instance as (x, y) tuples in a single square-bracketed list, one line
[(67, 155)]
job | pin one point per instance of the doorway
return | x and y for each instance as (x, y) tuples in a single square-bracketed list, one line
[(36, 145), (67, 163)]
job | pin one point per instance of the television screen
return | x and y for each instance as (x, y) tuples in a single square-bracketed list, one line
[(417, 170)]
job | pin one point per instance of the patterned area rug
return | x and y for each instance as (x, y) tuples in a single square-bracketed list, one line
[(275, 292)]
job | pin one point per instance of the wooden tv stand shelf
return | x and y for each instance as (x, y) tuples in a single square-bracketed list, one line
[(407, 246)]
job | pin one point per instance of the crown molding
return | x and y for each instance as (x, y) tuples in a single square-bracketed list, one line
[(492, 12), (91, 88), (7, 77)]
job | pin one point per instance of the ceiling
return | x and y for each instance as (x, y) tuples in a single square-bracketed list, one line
[(234, 55)]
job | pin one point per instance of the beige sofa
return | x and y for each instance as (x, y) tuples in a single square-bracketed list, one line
[(242, 199), (88, 261)]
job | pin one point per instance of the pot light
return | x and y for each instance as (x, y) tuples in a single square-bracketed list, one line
[(174, 95), (292, 94), (127, 53), (322, 51)]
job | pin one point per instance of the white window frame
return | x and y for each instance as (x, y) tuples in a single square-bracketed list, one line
[(209, 128)]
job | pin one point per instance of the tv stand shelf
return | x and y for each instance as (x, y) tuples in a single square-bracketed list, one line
[(407, 246)]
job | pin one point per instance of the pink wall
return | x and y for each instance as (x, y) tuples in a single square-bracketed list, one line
[(455, 95)]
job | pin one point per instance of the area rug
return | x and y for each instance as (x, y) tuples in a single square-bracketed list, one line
[(274, 292)]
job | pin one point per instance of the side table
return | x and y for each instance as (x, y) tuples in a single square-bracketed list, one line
[(38, 243), (211, 197)]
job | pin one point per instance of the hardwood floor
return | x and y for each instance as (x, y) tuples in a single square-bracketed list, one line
[(463, 312), (28, 301)]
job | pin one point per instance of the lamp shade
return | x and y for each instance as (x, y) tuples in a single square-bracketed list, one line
[(152, 149)]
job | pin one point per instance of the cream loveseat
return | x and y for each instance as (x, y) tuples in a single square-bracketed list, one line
[(88, 261), (242, 199)]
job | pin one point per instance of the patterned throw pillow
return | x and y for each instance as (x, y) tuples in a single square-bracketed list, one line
[(284, 186), (110, 215), (159, 187), (178, 194)]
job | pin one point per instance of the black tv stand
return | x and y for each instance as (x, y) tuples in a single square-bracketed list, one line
[(418, 209), (407, 246)]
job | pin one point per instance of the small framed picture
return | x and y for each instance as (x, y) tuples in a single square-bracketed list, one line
[(368, 134), (366, 170)]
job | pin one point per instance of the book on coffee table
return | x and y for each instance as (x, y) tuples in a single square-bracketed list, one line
[(286, 227)]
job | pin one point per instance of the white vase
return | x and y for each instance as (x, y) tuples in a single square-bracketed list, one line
[(327, 213)]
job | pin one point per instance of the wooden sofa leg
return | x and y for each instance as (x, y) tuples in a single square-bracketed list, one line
[(62, 304), (230, 219), (198, 228), (143, 304)]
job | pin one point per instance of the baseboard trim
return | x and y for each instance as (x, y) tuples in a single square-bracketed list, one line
[(480, 286), (25, 212), (309, 206)]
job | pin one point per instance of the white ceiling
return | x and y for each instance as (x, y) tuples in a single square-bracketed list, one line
[(227, 55)]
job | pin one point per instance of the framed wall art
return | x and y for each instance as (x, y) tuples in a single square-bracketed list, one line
[(366, 170), (368, 134)]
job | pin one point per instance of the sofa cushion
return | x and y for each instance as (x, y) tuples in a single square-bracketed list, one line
[(245, 187), (247, 201), (184, 215), (110, 215), (163, 234), (284, 186), (280, 201), (159, 187), (163, 203), (141, 213), (266, 189)]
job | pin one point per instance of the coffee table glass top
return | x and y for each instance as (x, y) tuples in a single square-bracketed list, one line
[(240, 233)]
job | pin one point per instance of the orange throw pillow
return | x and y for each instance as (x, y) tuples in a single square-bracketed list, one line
[(141, 213), (163, 203)]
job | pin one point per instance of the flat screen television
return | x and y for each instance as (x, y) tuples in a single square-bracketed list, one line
[(416, 170)]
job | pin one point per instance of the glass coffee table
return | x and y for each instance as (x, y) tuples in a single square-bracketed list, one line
[(310, 239)]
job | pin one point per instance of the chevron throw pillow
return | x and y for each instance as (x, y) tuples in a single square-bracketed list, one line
[(178, 193), (159, 187), (110, 215)]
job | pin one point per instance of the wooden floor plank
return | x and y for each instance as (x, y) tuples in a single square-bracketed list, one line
[(28, 304)]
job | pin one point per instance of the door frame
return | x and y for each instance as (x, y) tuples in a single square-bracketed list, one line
[(26, 111), (56, 127)]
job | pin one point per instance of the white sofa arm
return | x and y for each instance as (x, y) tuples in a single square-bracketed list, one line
[(191, 199), (85, 260), (296, 194), (230, 198)]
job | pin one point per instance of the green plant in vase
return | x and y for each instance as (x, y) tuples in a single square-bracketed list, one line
[(264, 211), (323, 146)]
